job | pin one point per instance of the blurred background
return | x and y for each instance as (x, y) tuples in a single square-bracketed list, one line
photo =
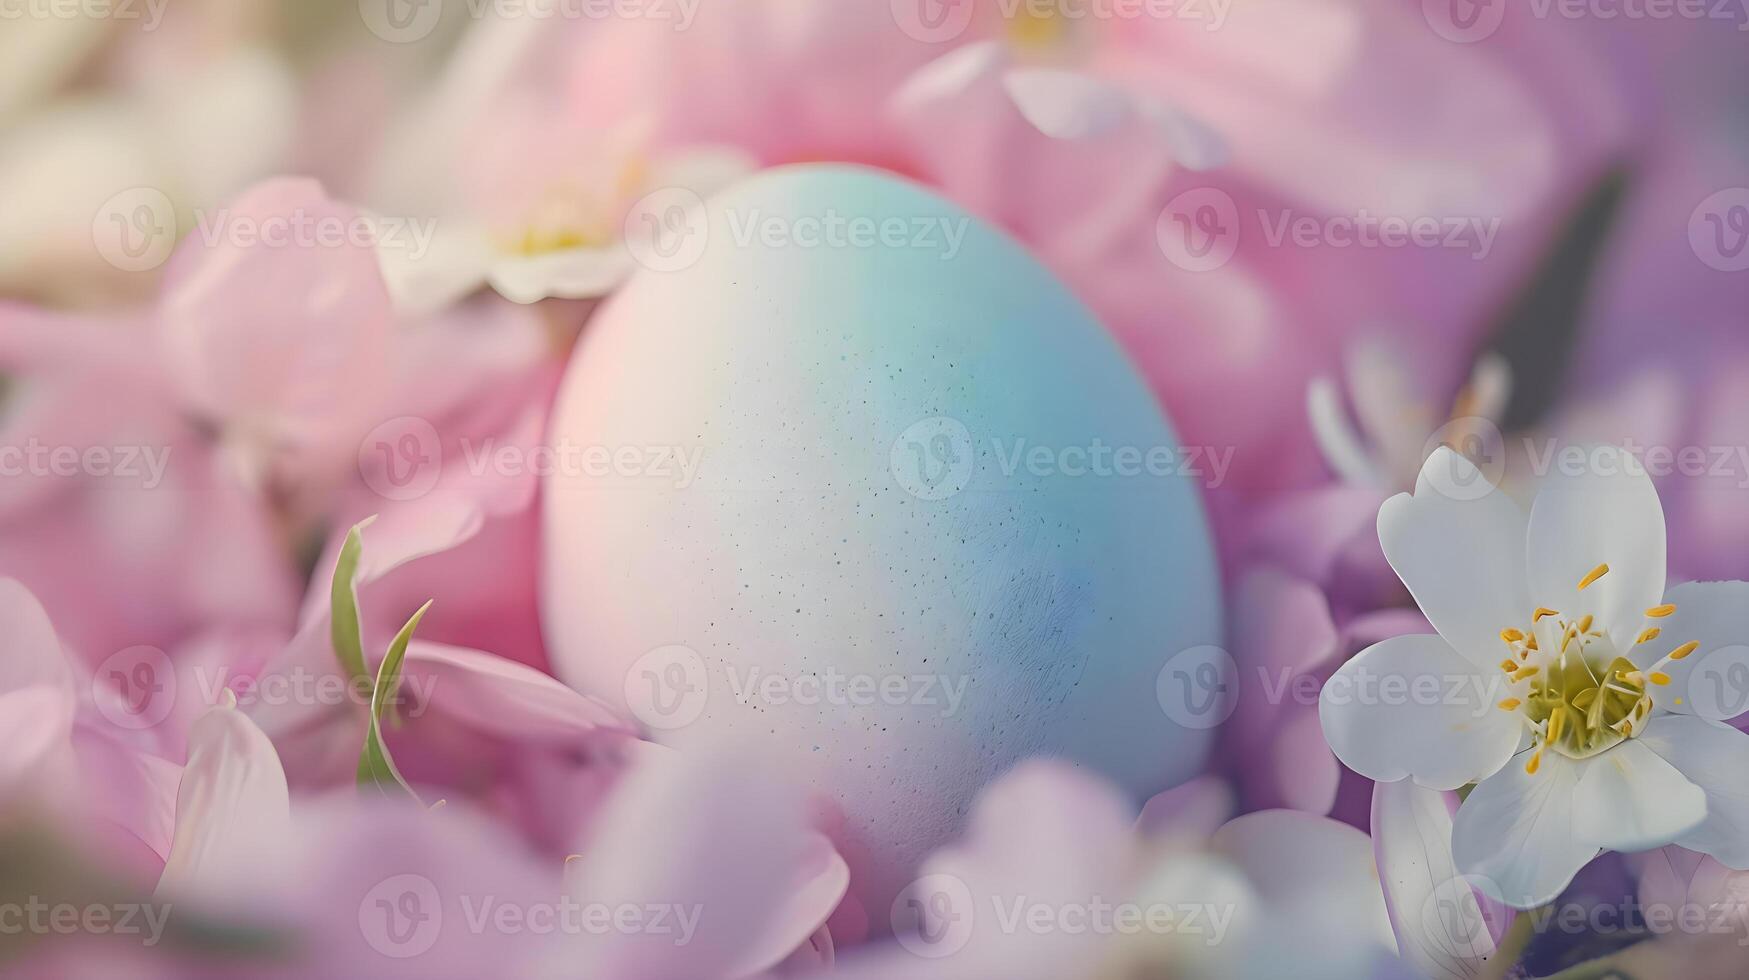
[(1330, 234)]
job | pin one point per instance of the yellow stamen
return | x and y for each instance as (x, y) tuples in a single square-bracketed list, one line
[(1649, 635), (1536, 759), (1659, 612), (1510, 704), (1523, 672), (1542, 611), (1511, 635), (1659, 678), (1530, 643), (1508, 665), (1557, 722), (1585, 624), (1595, 574), (1685, 649)]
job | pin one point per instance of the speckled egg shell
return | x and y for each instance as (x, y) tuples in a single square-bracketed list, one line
[(856, 509)]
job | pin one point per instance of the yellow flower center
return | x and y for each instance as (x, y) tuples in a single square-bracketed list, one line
[(1037, 31), (1571, 683), (574, 215)]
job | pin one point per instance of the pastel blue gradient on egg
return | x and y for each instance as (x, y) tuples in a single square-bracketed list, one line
[(871, 500)]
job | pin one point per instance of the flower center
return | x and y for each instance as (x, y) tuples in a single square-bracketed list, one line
[(1037, 31), (1571, 683), (574, 214)]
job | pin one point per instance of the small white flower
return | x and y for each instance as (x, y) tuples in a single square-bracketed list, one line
[(1557, 679), (1386, 441)]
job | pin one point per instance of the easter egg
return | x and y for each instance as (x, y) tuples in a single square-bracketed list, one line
[(844, 478)]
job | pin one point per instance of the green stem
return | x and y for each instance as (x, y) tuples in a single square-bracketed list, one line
[(1597, 969), (1511, 948)]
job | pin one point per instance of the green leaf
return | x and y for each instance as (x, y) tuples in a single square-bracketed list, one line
[(376, 769), (343, 628)]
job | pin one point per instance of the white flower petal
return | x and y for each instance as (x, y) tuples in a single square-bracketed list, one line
[(578, 273), (950, 75), (1708, 681), (1515, 832), (1607, 513), (1067, 105), (233, 797), (1712, 756), (1344, 450), (426, 278), (1392, 408), (34, 722), (33, 652), (1195, 145), (1442, 926), (1292, 857), (1458, 544), (702, 170), (1629, 799), (1412, 707)]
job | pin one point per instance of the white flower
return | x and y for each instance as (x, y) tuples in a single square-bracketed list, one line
[(501, 185), (1557, 681), (1385, 442)]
